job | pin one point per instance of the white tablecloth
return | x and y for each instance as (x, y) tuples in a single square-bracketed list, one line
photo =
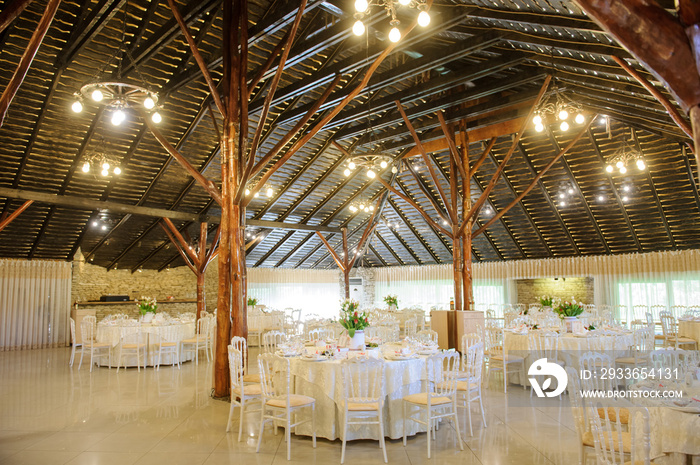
[(323, 381), (111, 334), (266, 321), (570, 349), (689, 329)]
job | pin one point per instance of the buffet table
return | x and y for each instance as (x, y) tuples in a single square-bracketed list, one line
[(322, 380), (111, 333)]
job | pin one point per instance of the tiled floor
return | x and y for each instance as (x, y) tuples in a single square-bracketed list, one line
[(53, 414)]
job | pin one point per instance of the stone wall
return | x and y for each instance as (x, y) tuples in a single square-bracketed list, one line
[(529, 290), (367, 276)]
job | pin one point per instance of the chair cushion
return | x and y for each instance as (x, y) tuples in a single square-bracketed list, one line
[(251, 378), (612, 414), (168, 344), (638, 462), (249, 390), (507, 358), (462, 386), (626, 441), (628, 360), (194, 340), (362, 407), (295, 400), (681, 339), (422, 399), (133, 346)]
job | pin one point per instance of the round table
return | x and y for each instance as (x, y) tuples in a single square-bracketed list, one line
[(571, 347), (322, 380), (689, 328), (111, 333)]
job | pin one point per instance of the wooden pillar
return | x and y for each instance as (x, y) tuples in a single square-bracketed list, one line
[(346, 261), (456, 248), (201, 298), (466, 239)]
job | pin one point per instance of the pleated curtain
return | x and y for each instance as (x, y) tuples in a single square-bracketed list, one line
[(35, 301)]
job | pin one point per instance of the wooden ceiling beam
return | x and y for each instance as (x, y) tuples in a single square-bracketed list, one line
[(376, 254), (11, 11), (389, 249), (689, 170), (435, 231), (420, 239)]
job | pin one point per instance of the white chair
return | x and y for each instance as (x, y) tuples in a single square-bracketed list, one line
[(167, 343), (278, 403), (256, 328), (669, 326), (638, 355), (427, 335), (240, 344), (440, 399), (198, 342), (544, 345), (410, 327), (271, 340), (363, 399), (499, 360), (88, 328), (469, 390), (132, 341), (320, 334), (241, 394), (73, 341), (613, 445), (211, 336)]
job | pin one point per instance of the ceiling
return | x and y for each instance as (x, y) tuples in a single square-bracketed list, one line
[(481, 62)]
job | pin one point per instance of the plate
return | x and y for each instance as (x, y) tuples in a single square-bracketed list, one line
[(310, 359), (401, 357)]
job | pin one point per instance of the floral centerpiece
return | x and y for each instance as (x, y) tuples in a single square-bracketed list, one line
[(391, 301), (147, 304), (351, 319), (549, 301), (569, 309), (252, 301)]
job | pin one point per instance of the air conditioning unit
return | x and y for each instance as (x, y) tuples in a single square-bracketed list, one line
[(356, 281), (356, 289)]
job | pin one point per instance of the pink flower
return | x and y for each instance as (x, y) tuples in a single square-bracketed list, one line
[(355, 320)]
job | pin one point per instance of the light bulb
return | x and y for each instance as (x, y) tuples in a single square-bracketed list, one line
[(86, 167), (539, 127), (626, 188), (562, 195), (564, 126), (361, 6), (404, 2), (104, 228), (105, 166), (394, 169), (609, 168), (625, 198), (537, 119), (423, 18), (362, 206), (579, 118), (371, 174), (366, 209), (562, 204), (256, 195), (603, 119), (619, 164), (77, 106), (353, 208), (601, 198), (371, 208), (118, 117), (571, 191), (269, 192), (445, 223), (117, 170), (351, 165), (563, 115), (640, 164), (247, 192), (95, 223), (346, 172), (156, 117), (623, 170), (97, 95), (383, 164), (105, 173), (394, 34), (358, 28), (149, 103)]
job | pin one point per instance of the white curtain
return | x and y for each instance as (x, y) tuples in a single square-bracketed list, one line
[(431, 286), (34, 304), (313, 291)]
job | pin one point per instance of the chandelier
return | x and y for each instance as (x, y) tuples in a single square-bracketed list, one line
[(362, 8), (622, 157), (116, 94), (557, 106), (361, 206), (266, 188), (372, 163), (102, 161)]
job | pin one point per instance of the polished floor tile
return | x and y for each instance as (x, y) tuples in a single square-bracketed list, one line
[(51, 413)]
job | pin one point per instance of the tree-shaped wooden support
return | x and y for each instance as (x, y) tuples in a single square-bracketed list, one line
[(196, 258), (240, 165), (7, 219)]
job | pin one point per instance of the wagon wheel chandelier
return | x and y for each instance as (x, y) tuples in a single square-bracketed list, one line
[(116, 94), (362, 8), (557, 106)]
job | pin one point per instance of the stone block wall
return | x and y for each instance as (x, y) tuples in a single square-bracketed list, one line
[(529, 290), (367, 276)]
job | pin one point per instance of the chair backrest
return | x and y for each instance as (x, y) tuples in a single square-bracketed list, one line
[(494, 340), (274, 376), (469, 340), (241, 344), (319, 334), (235, 364), (473, 362), (428, 335), (677, 310), (609, 436), (88, 328), (167, 333), (363, 380), (576, 399), (667, 360), (411, 327), (441, 371), (668, 324), (130, 333), (203, 326), (389, 333), (271, 340), (509, 318), (656, 310), (543, 345), (72, 332), (644, 340), (600, 366)]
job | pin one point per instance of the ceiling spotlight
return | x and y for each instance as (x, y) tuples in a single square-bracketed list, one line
[(620, 164), (351, 165), (640, 164), (445, 223), (563, 115), (247, 192), (623, 170), (118, 117), (571, 191), (394, 169), (95, 223), (104, 227), (256, 195), (361, 5), (562, 195), (371, 208), (149, 103), (603, 119), (269, 192), (105, 173), (537, 120), (562, 204), (626, 188), (579, 118), (601, 198), (625, 198), (539, 127)]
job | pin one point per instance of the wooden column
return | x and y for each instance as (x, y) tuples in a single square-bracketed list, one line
[(456, 248), (466, 240), (346, 260)]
